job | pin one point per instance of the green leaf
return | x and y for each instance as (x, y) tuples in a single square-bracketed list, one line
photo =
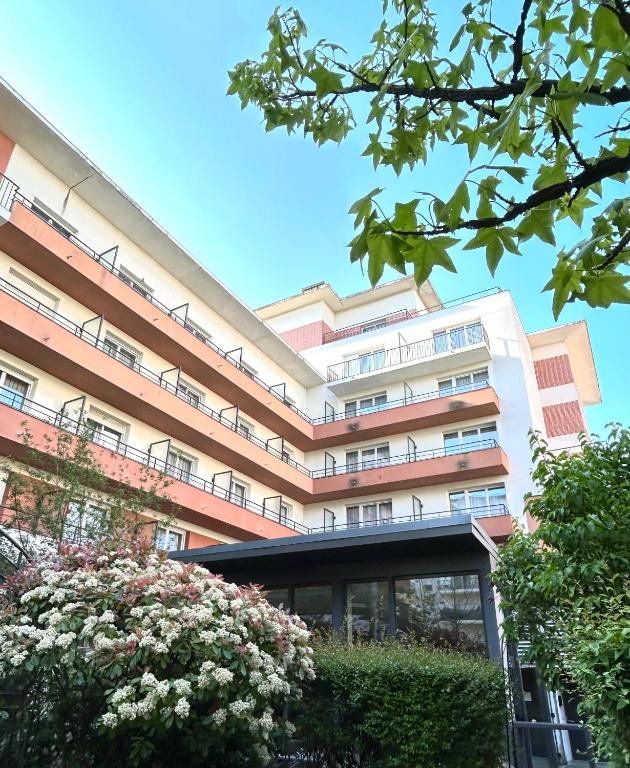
[(539, 223), (428, 252), (325, 81), (606, 29), (405, 216), (602, 290), (363, 206)]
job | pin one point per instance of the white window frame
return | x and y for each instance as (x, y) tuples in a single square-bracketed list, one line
[(448, 332), (54, 300), (174, 470), (110, 338), (186, 389), (246, 491), (378, 520), (9, 370), (54, 217), (248, 370), (245, 427), (89, 508), (467, 491), (454, 388), (137, 283), (363, 463), (165, 531), (103, 428), (461, 440), (361, 408), (197, 330), (286, 511)]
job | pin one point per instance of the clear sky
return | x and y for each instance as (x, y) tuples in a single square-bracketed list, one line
[(139, 86)]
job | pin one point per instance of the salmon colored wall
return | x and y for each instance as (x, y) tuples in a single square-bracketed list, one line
[(6, 150), (564, 419), (306, 336), (553, 371), (197, 540)]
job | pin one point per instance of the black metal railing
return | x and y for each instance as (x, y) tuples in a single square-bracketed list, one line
[(403, 401), (406, 458), (491, 510), (156, 378), (9, 193), (446, 343), (402, 315), (60, 420)]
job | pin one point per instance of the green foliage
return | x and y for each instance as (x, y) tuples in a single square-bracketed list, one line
[(61, 491), (396, 706), (524, 91), (567, 586)]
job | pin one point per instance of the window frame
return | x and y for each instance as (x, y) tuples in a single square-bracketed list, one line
[(133, 281), (177, 472), (114, 340), (29, 381), (171, 530)]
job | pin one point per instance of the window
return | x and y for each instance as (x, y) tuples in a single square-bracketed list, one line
[(169, 539), (374, 326), (238, 493), (14, 389), (471, 439), (124, 354), (464, 382), (479, 501), (245, 428), (441, 610), (278, 597), (53, 219), (367, 609), (248, 370), (455, 338), (197, 330), (365, 403), (285, 512), (135, 282), (101, 434), (372, 361), (190, 394), (370, 513), (313, 604), (367, 458), (179, 466), (287, 455), (84, 522), (34, 290)]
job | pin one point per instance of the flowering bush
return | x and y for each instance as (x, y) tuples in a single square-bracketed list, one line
[(127, 658)]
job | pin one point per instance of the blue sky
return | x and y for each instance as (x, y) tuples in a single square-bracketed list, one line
[(140, 88)]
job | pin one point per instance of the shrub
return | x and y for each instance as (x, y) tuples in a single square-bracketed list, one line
[(126, 659), (394, 706)]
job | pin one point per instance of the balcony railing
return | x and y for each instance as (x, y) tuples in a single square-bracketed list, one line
[(59, 420), (401, 316), (9, 194), (444, 343), (406, 458), (156, 378), (492, 510), (403, 401)]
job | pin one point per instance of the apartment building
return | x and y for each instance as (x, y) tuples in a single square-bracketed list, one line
[(315, 413)]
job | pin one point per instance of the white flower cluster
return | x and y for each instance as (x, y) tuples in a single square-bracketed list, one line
[(188, 644)]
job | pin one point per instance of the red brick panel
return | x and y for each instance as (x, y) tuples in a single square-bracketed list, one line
[(563, 419), (553, 371), (306, 336), (6, 150)]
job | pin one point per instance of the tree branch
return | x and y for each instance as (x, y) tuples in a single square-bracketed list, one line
[(517, 48), (616, 95), (608, 166)]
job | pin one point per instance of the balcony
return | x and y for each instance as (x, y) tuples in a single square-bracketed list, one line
[(495, 519), (401, 316), (55, 344), (446, 350), (428, 409), (467, 461), (195, 499), (93, 279)]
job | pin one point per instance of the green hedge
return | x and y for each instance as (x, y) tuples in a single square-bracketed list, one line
[(391, 706)]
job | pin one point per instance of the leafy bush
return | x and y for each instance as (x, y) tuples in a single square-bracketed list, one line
[(126, 659), (395, 706)]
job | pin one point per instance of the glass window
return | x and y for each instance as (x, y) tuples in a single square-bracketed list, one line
[(114, 349), (135, 282), (370, 514), (479, 501), (457, 338), (84, 522), (278, 596), (187, 392), (385, 511), (314, 606), (285, 512), (440, 342), (445, 610), (103, 435), (13, 391), (463, 382), (457, 501), (179, 466), (238, 493), (169, 539), (474, 438), (367, 609), (474, 333), (351, 408), (352, 516), (245, 429)]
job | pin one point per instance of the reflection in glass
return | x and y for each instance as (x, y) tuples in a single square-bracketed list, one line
[(314, 606), (367, 609), (445, 610), (278, 596)]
